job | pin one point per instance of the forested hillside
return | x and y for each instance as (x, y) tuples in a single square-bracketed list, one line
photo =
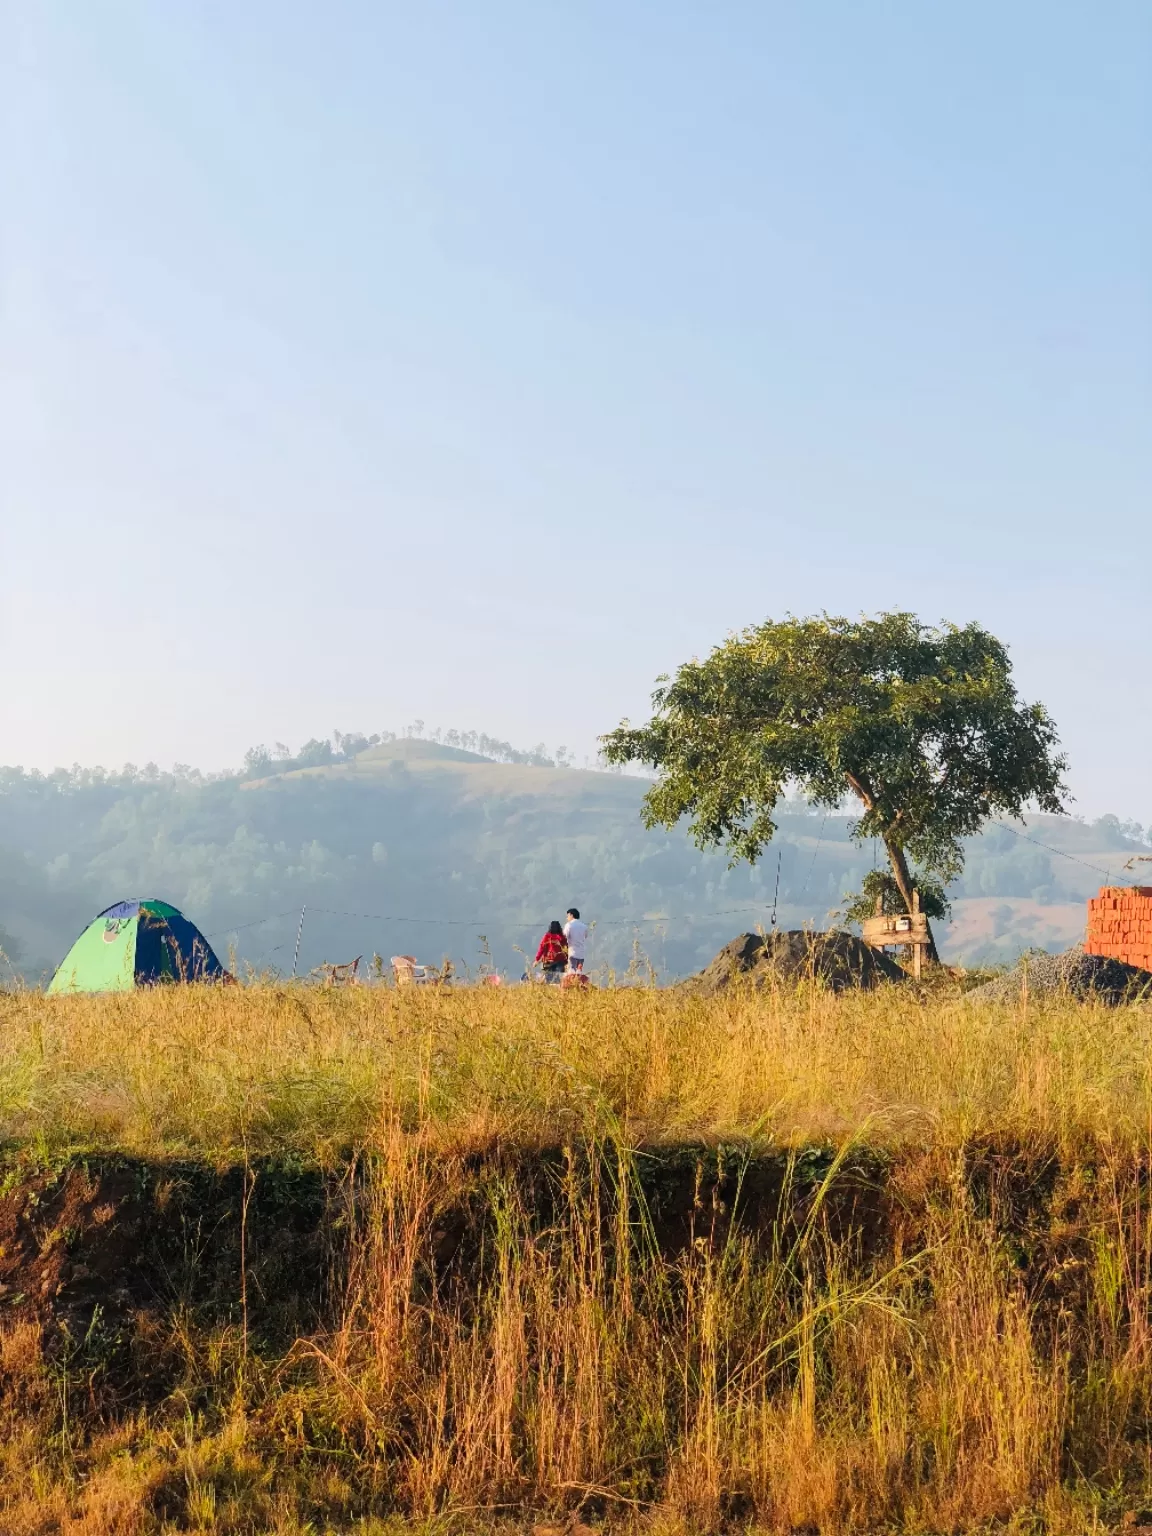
[(413, 846)]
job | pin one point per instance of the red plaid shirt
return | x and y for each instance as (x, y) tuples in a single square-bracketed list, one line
[(553, 950)]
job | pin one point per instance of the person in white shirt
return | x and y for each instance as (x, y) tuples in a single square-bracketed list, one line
[(576, 933)]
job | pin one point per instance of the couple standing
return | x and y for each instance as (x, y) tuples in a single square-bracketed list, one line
[(563, 948)]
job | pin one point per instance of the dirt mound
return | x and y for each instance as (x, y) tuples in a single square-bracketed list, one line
[(836, 960), (1073, 973)]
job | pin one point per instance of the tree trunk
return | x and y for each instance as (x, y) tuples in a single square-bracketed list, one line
[(904, 881), (899, 863)]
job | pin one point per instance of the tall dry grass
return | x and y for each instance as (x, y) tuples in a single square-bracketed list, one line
[(970, 1348), (777, 1379), (208, 1071)]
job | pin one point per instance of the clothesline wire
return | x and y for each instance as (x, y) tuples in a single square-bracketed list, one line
[(481, 922), (1015, 831), (255, 923), (605, 922)]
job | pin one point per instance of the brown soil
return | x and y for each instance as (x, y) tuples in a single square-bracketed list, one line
[(95, 1252), (100, 1254)]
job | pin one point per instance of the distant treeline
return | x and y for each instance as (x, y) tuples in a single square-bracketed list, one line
[(260, 761), (342, 746)]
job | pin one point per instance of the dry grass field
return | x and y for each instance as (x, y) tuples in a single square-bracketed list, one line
[(284, 1259)]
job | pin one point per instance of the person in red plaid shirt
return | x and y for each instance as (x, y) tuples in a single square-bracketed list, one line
[(552, 955)]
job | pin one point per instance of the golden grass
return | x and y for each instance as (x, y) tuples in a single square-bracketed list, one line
[(207, 1071), (945, 1361)]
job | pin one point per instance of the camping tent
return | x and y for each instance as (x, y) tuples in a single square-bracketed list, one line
[(135, 944)]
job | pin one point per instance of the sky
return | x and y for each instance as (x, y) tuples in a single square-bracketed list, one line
[(479, 363)]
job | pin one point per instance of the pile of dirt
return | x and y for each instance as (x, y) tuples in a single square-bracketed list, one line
[(1072, 974), (836, 960)]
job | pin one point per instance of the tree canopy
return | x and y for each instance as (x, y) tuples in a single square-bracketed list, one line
[(921, 724)]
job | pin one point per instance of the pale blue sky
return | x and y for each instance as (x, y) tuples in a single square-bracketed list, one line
[(480, 362)]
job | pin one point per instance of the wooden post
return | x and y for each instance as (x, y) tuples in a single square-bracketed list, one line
[(296, 951), (916, 948)]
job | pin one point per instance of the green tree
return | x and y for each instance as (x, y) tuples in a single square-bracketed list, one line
[(922, 726), (879, 894)]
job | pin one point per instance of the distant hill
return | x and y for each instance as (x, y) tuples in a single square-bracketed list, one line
[(373, 759), (432, 848)]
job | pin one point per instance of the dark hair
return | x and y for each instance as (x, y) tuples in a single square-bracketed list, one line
[(554, 927), (572, 912)]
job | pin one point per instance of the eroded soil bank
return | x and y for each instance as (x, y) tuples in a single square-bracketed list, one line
[(683, 1339)]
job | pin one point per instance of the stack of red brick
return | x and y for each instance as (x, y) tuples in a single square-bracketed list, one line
[(1120, 924)]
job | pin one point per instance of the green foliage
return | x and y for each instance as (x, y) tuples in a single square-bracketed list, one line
[(879, 886), (922, 725)]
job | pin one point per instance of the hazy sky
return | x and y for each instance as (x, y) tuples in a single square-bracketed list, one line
[(479, 362)]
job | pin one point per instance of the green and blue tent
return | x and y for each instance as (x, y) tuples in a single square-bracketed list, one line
[(137, 944)]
